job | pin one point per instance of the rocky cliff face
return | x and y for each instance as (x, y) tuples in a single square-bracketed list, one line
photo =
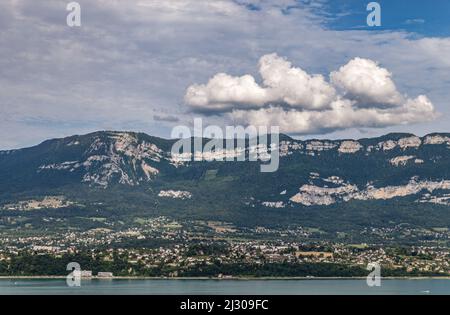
[(313, 173)]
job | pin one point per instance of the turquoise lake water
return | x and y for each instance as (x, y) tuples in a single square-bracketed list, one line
[(225, 287)]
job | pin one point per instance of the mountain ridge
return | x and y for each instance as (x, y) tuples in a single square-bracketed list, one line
[(400, 177), (282, 136)]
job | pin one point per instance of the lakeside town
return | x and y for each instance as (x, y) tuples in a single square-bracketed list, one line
[(162, 247)]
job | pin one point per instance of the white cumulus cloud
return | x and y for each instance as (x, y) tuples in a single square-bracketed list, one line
[(224, 92), (359, 94), (282, 84), (293, 86), (363, 80)]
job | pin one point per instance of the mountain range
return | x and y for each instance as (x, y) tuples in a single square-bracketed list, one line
[(337, 185)]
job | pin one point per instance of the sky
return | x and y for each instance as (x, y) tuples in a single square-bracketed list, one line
[(315, 68)]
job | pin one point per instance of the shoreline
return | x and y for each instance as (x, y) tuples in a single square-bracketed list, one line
[(217, 278)]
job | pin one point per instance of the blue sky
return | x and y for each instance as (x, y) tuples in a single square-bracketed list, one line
[(129, 65), (423, 18)]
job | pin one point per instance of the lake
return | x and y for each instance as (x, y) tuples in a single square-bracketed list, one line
[(225, 287)]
